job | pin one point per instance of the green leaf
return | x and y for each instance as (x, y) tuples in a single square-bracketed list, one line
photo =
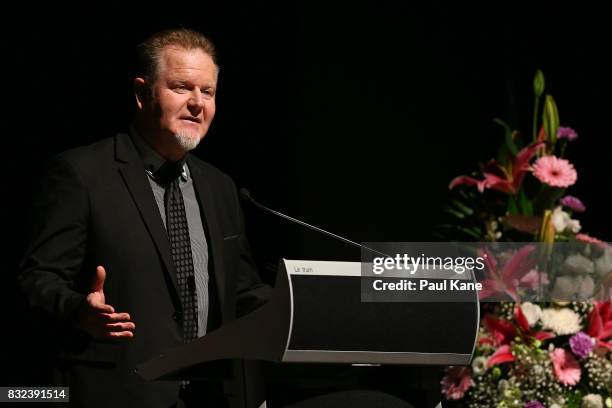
[(472, 232), (507, 136), (439, 236), (462, 207), (574, 400), (469, 195), (453, 212), (448, 232), (550, 119), (546, 198), (512, 208), (538, 89), (538, 83), (525, 204)]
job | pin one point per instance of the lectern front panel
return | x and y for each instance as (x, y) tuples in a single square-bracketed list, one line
[(329, 315)]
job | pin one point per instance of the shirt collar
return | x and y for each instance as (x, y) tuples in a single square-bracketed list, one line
[(152, 160)]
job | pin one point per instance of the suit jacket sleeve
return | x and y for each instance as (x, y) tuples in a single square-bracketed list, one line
[(56, 244)]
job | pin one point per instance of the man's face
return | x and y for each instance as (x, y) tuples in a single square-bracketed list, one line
[(184, 97)]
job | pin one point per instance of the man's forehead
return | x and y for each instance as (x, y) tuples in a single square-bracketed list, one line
[(181, 61), (177, 56)]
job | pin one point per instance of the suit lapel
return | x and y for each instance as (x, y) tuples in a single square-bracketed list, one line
[(132, 172), (204, 193)]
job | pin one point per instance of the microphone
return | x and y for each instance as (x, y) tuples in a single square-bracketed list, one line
[(246, 195)]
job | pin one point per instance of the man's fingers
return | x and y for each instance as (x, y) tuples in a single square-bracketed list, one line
[(98, 283), (117, 327), (116, 317), (103, 308), (122, 334)]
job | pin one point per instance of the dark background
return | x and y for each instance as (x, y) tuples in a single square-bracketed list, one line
[(353, 119)]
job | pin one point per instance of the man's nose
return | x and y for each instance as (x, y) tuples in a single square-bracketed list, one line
[(197, 99)]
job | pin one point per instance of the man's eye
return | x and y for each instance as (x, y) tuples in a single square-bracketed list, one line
[(208, 92)]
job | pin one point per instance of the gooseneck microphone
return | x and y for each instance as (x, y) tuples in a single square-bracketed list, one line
[(246, 195)]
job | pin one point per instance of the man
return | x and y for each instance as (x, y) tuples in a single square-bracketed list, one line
[(137, 246)]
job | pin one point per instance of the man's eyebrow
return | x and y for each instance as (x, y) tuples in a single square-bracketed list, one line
[(180, 81)]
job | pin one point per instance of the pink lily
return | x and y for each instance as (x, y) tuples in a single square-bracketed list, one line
[(506, 179), (600, 324), (504, 281), (527, 331), (504, 331), (501, 355)]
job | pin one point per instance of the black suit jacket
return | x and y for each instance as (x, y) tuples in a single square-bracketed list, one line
[(96, 207)]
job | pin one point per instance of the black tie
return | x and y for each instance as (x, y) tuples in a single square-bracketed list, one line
[(180, 247)]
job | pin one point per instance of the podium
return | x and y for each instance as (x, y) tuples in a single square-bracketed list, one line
[(317, 314)]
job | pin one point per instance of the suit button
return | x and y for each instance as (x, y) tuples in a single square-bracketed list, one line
[(177, 316)]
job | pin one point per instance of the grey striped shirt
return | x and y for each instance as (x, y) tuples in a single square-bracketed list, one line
[(199, 247)]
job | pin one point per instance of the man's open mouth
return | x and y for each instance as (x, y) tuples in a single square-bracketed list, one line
[(192, 119)]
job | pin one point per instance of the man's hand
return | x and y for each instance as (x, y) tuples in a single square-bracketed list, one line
[(98, 319)]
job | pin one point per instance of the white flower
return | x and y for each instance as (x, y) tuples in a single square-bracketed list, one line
[(574, 226), (572, 288), (479, 365), (538, 370), (561, 321), (557, 401), (532, 313), (603, 264), (592, 401), (577, 264), (559, 219), (503, 385), (562, 221)]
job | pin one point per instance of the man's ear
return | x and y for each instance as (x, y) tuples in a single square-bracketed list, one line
[(140, 92)]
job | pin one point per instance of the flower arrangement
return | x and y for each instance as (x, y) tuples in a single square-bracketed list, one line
[(553, 352), (521, 193), (531, 355)]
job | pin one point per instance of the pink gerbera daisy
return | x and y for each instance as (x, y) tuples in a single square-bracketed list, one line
[(566, 367), (456, 382), (554, 171), (591, 240)]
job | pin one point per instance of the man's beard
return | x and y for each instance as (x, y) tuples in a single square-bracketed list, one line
[(188, 141)]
